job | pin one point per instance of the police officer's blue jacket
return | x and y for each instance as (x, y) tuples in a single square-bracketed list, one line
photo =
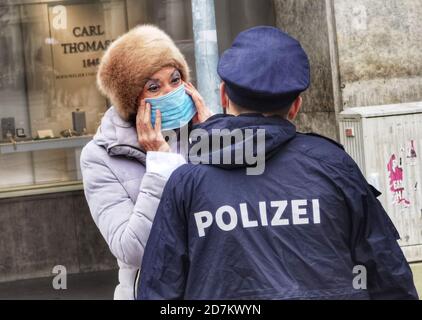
[(309, 227)]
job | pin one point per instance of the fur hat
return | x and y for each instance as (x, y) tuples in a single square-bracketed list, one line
[(130, 60)]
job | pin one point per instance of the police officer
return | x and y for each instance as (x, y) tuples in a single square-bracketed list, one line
[(308, 226)]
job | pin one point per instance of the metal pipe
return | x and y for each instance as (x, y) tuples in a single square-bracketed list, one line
[(206, 52)]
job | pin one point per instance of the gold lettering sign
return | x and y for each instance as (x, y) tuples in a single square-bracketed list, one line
[(78, 39)]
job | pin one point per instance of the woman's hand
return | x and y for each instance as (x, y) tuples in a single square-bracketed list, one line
[(203, 112), (150, 139)]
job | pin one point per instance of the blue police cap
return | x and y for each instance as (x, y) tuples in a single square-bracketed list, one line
[(265, 69)]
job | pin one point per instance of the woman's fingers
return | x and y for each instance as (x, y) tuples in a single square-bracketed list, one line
[(203, 112), (161, 144), (196, 97), (150, 139), (189, 91), (146, 119), (141, 111), (157, 126), (143, 125), (139, 121), (190, 87)]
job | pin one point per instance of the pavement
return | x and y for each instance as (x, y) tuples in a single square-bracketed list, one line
[(88, 286), (417, 276), (93, 286)]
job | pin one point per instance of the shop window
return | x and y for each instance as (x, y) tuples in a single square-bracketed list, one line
[(49, 103)]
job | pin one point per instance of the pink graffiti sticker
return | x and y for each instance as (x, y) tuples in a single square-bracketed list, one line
[(396, 181)]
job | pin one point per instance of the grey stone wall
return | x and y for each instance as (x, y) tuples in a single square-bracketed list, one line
[(40, 232), (363, 53), (380, 56), (307, 21)]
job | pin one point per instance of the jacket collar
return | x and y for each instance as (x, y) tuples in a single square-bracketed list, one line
[(119, 137)]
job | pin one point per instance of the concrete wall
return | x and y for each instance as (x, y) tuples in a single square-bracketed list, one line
[(363, 52), (39, 232), (306, 20), (379, 46)]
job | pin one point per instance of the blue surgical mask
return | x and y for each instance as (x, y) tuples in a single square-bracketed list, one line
[(177, 109)]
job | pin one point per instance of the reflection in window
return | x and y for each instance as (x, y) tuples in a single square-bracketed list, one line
[(49, 57)]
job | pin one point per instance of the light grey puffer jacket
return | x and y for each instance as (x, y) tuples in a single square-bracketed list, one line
[(123, 188)]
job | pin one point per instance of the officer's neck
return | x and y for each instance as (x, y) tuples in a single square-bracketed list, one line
[(235, 110)]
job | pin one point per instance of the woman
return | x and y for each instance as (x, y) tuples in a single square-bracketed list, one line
[(128, 162)]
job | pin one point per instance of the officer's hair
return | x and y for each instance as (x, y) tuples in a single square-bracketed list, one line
[(283, 112)]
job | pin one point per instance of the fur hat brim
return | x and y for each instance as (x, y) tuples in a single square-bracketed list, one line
[(131, 60)]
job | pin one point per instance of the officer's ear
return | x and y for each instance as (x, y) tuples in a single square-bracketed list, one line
[(295, 108), (223, 96)]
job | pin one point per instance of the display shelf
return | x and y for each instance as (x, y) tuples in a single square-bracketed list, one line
[(34, 190), (47, 144)]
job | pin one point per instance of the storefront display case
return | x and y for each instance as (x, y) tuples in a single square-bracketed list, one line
[(50, 107)]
